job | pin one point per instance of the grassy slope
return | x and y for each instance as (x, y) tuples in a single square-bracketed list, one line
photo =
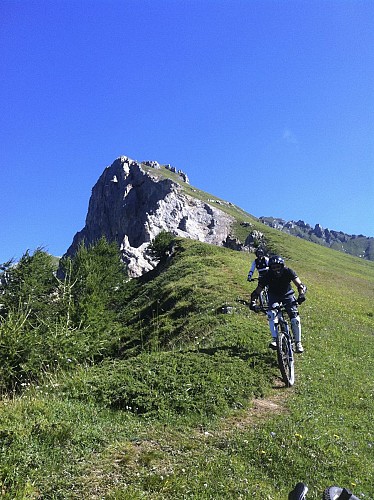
[(174, 418)]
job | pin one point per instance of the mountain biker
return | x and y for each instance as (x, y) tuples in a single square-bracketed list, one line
[(260, 263), (278, 280)]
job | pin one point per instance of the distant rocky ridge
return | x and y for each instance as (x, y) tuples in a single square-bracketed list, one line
[(358, 245), (132, 202)]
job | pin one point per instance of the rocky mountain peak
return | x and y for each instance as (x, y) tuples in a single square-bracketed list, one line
[(131, 203)]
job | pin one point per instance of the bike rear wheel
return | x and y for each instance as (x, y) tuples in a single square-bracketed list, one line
[(285, 358)]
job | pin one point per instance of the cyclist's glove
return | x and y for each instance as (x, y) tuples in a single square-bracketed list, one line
[(249, 277), (254, 307), (301, 298)]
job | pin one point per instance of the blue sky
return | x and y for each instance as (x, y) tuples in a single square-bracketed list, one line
[(268, 104)]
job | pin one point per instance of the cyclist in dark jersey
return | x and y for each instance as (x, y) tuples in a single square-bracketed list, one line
[(261, 263), (278, 279)]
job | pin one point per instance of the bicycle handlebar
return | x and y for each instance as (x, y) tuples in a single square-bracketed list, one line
[(277, 306), (281, 305)]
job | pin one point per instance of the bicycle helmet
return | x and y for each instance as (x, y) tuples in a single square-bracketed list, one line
[(276, 264), (260, 252)]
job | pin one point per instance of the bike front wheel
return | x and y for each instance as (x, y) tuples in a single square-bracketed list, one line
[(285, 358)]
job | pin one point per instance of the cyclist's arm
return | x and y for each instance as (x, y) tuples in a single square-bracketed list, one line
[(252, 270), (301, 288)]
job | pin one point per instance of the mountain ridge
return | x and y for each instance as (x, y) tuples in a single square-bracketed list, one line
[(358, 245)]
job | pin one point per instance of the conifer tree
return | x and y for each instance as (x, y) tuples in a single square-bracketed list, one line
[(28, 283), (98, 276)]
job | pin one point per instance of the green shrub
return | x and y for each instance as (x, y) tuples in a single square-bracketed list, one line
[(161, 245), (30, 281), (167, 383), (48, 324)]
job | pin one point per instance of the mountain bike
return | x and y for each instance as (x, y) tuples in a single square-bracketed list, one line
[(285, 354), (284, 339), (331, 493), (264, 299)]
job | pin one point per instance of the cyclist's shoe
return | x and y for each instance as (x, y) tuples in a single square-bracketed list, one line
[(299, 347), (273, 345)]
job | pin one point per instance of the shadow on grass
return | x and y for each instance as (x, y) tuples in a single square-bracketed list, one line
[(254, 358)]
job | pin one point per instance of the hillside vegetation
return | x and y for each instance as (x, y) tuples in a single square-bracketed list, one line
[(122, 389)]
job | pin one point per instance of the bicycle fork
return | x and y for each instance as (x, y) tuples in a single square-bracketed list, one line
[(285, 328)]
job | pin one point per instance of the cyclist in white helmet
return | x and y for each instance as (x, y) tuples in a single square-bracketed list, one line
[(260, 263), (278, 280)]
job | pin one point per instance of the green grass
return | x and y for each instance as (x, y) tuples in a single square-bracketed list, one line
[(173, 415)]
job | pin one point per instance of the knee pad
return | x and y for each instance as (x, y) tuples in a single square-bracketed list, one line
[(271, 315), (296, 328), (272, 321), (295, 320), (294, 314)]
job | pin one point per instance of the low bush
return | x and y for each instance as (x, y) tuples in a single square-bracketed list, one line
[(165, 384)]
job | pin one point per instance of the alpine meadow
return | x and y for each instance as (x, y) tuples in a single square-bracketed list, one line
[(163, 386)]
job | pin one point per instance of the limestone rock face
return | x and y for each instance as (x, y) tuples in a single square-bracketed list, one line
[(130, 204)]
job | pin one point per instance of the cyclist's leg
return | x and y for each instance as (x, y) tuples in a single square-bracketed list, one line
[(293, 314), (271, 317)]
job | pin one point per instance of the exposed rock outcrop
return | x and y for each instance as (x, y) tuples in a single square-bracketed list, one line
[(131, 205)]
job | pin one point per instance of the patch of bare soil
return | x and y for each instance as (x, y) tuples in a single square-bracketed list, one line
[(260, 410)]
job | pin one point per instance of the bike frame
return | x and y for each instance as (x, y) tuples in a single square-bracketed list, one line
[(284, 339), (264, 299)]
